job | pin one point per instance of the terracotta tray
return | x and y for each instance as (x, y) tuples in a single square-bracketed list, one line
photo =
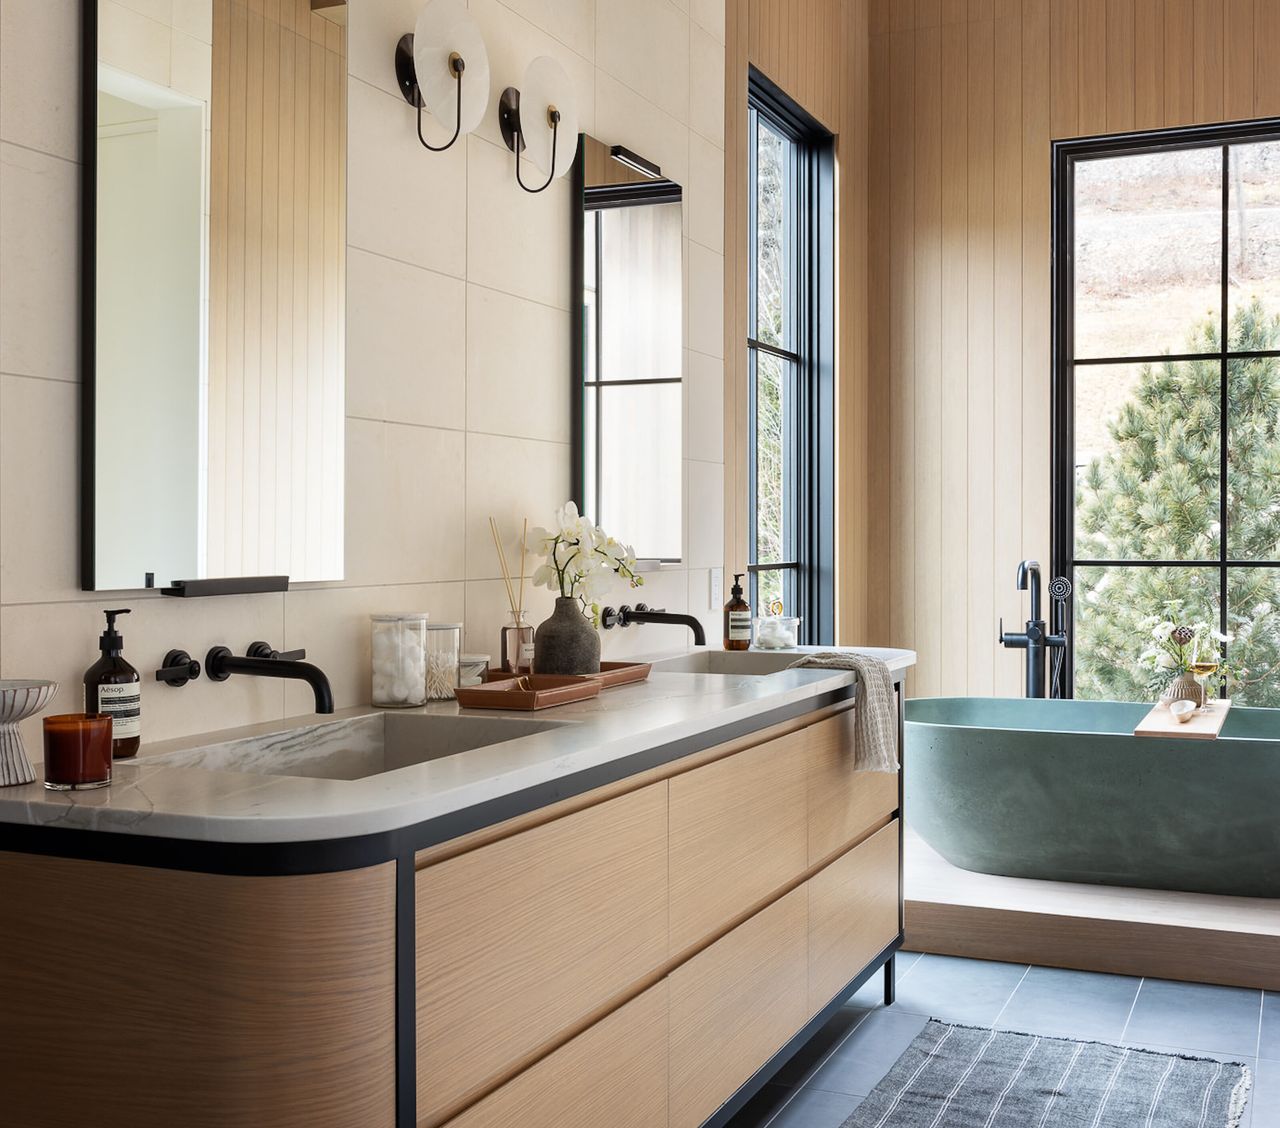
[(611, 674), (622, 673), (532, 691)]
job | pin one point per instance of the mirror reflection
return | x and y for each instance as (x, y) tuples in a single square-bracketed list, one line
[(632, 356), (215, 431)]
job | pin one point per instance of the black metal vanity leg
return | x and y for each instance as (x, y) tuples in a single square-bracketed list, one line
[(889, 984)]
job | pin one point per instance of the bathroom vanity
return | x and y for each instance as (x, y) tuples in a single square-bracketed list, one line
[(628, 911)]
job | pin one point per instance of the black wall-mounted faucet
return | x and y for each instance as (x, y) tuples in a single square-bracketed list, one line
[(264, 662), (1035, 639), (624, 615)]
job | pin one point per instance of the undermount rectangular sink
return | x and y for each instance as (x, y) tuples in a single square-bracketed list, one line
[(355, 747), (731, 662)]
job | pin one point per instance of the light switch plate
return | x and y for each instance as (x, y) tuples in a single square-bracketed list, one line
[(716, 595)]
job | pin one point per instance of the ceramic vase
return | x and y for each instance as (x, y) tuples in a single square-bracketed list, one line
[(566, 643), (18, 701), (1184, 688)]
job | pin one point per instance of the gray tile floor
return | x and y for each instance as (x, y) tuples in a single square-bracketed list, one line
[(826, 1081)]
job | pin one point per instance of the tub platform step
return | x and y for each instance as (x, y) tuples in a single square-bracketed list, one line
[(1205, 724)]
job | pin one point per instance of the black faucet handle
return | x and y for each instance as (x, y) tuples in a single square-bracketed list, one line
[(178, 669), (609, 618), (265, 650)]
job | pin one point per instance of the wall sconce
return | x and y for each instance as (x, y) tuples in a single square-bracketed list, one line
[(431, 62), (534, 116)]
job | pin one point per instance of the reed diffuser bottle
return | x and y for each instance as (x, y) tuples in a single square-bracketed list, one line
[(516, 644)]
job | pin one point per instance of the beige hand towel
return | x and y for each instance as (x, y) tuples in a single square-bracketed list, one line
[(876, 722)]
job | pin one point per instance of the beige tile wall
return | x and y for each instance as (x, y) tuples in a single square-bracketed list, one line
[(457, 365)]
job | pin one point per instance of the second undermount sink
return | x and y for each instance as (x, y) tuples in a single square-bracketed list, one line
[(731, 662), (355, 747)]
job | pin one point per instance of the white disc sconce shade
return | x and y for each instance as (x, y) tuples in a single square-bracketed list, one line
[(541, 119), (443, 67)]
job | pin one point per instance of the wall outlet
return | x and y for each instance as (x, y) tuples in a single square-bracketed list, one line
[(716, 595)]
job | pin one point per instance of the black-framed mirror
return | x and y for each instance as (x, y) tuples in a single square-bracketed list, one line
[(213, 292), (628, 349)]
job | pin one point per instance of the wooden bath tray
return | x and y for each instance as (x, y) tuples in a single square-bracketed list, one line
[(527, 692), (1204, 725)]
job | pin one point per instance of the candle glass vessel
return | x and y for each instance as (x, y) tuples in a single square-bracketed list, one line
[(77, 751)]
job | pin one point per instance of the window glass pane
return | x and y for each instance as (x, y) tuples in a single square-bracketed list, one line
[(1148, 246), (774, 246), (1253, 622), (1254, 231), (773, 393), (1113, 612), (640, 292), (590, 324), (1147, 461), (641, 469), (1253, 447)]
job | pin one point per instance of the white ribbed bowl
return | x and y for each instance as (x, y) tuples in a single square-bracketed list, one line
[(19, 699)]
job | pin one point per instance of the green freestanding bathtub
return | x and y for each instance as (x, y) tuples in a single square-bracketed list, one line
[(1062, 790)]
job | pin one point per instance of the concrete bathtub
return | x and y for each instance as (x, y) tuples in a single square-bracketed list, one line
[(1061, 790)]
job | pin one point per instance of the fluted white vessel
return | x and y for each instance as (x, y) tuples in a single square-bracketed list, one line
[(18, 701)]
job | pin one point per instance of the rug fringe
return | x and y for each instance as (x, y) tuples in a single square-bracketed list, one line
[(1240, 1098)]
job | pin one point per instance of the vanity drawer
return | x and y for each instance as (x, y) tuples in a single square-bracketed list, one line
[(614, 1073), (737, 835), (843, 804), (520, 940), (734, 1005), (853, 913)]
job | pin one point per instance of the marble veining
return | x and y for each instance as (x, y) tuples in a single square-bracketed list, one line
[(366, 771)]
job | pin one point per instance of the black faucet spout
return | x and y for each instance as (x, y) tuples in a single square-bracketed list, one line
[(624, 615), (220, 664)]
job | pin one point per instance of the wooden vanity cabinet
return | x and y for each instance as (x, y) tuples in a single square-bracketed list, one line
[(637, 959)]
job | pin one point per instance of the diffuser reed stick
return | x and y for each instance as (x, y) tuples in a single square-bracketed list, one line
[(524, 545), (502, 563)]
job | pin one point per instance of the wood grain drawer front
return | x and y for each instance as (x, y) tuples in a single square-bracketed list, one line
[(853, 913), (737, 836), (734, 1005), (520, 940), (843, 804), (133, 997), (614, 1073)]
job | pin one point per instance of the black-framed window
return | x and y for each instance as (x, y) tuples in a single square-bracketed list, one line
[(790, 349), (1166, 430)]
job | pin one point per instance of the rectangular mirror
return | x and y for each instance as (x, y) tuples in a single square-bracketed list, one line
[(628, 394), (214, 311)]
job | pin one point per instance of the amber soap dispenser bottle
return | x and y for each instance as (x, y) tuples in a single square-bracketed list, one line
[(112, 686), (737, 618)]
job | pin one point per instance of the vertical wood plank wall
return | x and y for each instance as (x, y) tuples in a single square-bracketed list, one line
[(277, 293), (818, 52), (965, 97)]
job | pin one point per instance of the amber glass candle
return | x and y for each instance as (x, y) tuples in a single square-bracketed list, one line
[(77, 751)]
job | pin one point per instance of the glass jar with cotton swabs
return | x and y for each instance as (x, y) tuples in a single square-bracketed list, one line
[(444, 660), (516, 644)]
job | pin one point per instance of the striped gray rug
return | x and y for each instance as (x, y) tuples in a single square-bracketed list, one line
[(964, 1077)]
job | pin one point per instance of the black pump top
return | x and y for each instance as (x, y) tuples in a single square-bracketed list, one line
[(111, 641), (736, 590)]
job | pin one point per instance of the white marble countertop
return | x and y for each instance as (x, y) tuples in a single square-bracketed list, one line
[(151, 797)]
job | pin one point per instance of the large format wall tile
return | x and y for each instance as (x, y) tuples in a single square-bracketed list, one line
[(517, 366), (704, 407), (509, 480), (39, 517), (406, 352), (39, 264), (704, 200), (405, 512), (403, 202), (624, 117), (646, 46), (39, 93), (706, 85)]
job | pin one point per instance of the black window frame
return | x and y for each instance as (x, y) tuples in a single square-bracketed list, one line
[(811, 425), (1066, 155)]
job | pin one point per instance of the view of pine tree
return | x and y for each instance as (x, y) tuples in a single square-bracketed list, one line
[(1155, 496)]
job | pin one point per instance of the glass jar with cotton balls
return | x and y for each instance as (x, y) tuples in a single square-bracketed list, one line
[(398, 650)]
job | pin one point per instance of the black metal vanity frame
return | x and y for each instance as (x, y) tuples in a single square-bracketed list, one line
[(276, 859)]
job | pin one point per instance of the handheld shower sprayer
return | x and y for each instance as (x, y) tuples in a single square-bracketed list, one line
[(1059, 592)]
